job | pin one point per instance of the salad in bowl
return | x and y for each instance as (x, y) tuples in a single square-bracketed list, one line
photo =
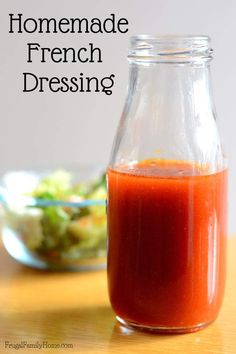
[(55, 220)]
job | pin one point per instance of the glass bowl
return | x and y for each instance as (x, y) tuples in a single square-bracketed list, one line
[(45, 232)]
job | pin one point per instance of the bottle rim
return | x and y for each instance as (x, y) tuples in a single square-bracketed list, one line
[(170, 48)]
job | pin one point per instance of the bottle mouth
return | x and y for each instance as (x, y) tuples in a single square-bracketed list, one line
[(170, 48)]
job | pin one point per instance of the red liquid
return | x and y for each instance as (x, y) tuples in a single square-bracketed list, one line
[(166, 245)]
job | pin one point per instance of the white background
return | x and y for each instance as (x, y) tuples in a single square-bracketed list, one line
[(52, 129)]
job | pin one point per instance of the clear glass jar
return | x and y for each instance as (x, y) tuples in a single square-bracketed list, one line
[(167, 191)]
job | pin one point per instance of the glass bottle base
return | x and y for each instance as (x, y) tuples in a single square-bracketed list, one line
[(163, 329)]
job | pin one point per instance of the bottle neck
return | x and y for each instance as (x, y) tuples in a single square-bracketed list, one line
[(169, 113), (179, 91), (170, 49)]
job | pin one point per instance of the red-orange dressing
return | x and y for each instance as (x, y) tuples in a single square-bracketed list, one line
[(166, 243)]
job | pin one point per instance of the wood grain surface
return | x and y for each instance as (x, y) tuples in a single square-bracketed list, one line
[(72, 310)]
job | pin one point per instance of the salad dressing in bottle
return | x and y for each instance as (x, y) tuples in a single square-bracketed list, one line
[(167, 191)]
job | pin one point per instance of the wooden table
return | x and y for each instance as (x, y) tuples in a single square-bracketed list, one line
[(72, 310)]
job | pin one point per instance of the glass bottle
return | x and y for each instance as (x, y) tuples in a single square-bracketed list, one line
[(167, 191)]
